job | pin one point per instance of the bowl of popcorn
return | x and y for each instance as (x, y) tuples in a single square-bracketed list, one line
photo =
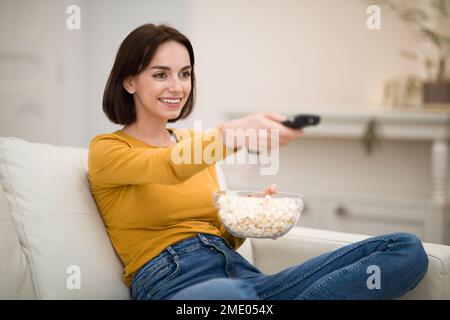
[(253, 214)]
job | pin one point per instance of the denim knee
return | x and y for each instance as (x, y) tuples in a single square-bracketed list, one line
[(218, 289), (415, 253)]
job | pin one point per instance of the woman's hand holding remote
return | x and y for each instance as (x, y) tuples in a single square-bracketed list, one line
[(257, 121)]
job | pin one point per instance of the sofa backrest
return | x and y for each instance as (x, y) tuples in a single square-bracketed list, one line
[(54, 244), (15, 276)]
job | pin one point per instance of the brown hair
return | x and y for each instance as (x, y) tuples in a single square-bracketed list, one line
[(133, 56)]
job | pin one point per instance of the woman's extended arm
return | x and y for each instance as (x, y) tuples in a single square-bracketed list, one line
[(113, 162)]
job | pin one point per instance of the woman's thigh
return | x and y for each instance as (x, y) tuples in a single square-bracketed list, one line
[(399, 258), (180, 266)]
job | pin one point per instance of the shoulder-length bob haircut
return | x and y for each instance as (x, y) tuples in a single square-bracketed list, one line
[(133, 56)]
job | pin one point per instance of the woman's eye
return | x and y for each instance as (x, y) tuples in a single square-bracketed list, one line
[(159, 75), (186, 74)]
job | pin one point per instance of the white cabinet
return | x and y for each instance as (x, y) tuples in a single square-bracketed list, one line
[(402, 187)]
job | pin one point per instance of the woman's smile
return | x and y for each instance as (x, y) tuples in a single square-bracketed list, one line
[(171, 102)]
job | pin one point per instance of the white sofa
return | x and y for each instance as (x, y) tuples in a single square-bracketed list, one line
[(54, 244)]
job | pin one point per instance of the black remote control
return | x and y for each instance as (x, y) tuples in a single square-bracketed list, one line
[(302, 120)]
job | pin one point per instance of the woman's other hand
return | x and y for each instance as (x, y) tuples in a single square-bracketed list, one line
[(270, 190)]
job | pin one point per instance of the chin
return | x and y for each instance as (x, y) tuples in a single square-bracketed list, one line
[(173, 116)]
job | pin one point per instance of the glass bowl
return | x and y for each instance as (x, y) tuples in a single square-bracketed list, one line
[(253, 214)]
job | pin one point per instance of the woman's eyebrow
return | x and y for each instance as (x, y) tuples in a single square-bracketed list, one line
[(167, 68)]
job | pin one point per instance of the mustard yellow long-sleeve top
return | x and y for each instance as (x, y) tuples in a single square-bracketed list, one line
[(148, 199)]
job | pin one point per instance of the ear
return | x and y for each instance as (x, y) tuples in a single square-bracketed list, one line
[(129, 84)]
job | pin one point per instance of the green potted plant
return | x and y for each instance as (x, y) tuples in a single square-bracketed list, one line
[(429, 21)]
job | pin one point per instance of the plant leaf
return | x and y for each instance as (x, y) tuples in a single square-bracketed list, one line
[(370, 136), (440, 6), (413, 16), (441, 70), (409, 55), (432, 36)]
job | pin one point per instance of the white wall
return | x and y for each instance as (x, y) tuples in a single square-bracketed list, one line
[(75, 82), (292, 55), (255, 55), (29, 70)]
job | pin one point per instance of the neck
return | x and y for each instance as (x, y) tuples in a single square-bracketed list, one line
[(151, 130)]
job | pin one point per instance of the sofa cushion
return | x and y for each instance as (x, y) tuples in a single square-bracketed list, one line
[(61, 233), (15, 277), (302, 244)]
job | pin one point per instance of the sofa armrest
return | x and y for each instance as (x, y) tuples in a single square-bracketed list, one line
[(301, 244)]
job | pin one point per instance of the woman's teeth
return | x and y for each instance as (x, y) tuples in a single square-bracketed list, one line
[(173, 101)]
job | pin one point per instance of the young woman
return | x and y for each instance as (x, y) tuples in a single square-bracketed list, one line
[(159, 212)]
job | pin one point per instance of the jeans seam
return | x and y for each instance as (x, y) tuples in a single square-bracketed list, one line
[(141, 281), (323, 265), (216, 247), (177, 262), (227, 261), (325, 282), (227, 243), (192, 248)]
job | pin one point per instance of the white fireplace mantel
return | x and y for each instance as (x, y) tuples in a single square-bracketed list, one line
[(417, 126)]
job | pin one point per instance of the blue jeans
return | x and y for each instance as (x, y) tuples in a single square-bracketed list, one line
[(205, 267)]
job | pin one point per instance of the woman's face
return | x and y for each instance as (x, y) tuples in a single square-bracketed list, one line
[(162, 89)]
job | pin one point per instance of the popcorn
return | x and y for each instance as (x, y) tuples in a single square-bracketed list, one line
[(259, 217)]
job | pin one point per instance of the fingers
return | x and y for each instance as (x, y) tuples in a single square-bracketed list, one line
[(286, 139), (272, 189), (276, 117), (268, 122), (269, 191)]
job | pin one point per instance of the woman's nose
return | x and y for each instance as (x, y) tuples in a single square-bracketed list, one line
[(175, 85)]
